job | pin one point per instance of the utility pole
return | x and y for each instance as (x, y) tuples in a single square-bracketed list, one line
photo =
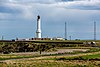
[(65, 31), (2, 37), (70, 37), (94, 30)]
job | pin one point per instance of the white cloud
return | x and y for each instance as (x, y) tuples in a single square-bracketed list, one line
[(17, 10), (68, 4), (30, 9), (84, 5)]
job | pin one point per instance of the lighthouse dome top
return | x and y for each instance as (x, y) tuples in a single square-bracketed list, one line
[(38, 16)]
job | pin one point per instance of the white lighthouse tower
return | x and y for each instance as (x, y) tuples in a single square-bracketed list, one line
[(38, 31)]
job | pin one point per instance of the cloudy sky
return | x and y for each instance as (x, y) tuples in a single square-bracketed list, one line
[(18, 18)]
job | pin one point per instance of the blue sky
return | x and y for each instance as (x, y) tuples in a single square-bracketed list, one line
[(18, 18)]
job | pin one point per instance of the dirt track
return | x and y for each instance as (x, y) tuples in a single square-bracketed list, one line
[(55, 52), (43, 53), (44, 57)]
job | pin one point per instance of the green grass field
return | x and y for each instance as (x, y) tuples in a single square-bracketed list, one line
[(54, 63), (19, 56), (88, 59)]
